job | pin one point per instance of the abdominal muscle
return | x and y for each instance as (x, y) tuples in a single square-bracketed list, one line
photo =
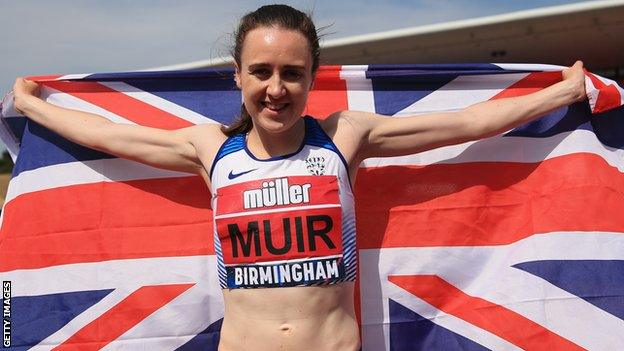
[(295, 318)]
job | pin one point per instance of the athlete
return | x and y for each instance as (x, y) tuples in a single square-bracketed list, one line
[(281, 183)]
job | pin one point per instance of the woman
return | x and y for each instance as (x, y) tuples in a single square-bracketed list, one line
[(281, 184)]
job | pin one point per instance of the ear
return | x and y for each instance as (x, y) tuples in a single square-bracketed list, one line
[(237, 75)]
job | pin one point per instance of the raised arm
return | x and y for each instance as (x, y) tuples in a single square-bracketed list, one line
[(174, 150), (385, 136)]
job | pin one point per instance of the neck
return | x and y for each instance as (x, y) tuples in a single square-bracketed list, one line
[(264, 144)]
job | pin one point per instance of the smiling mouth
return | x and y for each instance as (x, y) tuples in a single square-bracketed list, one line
[(274, 107)]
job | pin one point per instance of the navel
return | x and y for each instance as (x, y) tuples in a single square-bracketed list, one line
[(286, 328)]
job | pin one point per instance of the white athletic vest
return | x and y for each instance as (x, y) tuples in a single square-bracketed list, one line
[(283, 221)]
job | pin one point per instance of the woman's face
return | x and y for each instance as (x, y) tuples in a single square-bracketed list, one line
[(275, 76)]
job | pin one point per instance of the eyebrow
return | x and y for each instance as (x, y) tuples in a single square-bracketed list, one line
[(263, 65)]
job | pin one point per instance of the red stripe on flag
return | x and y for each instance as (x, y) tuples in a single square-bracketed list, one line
[(484, 314), (106, 221), (486, 203), (608, 96), (123, 316), (329, 93), (120, 104), (531, 83)]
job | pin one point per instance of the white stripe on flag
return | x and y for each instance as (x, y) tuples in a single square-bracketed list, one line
[(510, 149), (92, 171), (593, 93), (125, 277), (448, 321), (74, 76), (462, 92), (65, 100), (494, 279), (200, 306), (360, 95), (534, 67), (158, 102), (80, 321), (6, 135), (114, 274)]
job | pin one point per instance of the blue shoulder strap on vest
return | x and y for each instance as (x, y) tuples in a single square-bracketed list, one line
[(316, 136), (231, 144)]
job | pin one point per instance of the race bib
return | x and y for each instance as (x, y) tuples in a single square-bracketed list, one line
[(283, 231)]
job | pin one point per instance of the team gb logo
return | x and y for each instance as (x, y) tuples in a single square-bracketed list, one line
[(315, 165)]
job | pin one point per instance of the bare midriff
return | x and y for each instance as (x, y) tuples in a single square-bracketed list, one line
[(298, 318)]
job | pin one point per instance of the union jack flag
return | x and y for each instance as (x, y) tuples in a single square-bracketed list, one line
[(514, 242)]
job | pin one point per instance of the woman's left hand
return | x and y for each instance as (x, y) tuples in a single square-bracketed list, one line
[(575, 75), (22, 90)]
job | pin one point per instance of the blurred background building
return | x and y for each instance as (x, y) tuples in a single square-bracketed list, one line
[(591, 31)]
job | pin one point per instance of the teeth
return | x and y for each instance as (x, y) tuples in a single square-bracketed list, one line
[(274, 107)]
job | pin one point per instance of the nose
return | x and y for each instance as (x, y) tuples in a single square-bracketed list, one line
[(276, 87)]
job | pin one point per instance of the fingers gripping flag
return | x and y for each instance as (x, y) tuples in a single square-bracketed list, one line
[(514, 242)]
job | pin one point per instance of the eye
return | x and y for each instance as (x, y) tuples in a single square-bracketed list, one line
[(261, 73), (292, 75)]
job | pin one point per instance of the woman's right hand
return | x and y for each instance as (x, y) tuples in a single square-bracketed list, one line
[(21, 90)]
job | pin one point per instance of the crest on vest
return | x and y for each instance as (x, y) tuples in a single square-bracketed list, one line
[(315, 165)]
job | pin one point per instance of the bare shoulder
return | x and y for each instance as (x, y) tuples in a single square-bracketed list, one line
[(345, 123), (199, 132), (206, 138), (347, 129)]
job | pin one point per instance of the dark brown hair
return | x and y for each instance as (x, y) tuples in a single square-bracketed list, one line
[(280, 16)]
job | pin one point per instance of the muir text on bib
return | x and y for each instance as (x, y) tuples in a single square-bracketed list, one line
[(284, 231)]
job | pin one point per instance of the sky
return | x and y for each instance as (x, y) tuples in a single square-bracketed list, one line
[(88, 36)]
